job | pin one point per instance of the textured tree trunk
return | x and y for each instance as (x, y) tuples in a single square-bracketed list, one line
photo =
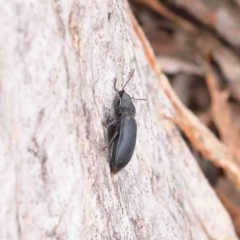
[(57, 64)]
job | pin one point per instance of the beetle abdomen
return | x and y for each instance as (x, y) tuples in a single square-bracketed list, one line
[(124, 146)]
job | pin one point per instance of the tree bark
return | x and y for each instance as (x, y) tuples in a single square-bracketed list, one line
[(58, 60)]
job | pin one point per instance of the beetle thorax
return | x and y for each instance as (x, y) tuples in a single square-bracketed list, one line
[(126, 104)]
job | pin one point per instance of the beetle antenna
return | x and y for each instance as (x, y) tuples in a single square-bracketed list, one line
[(128, 79), (141, 99)]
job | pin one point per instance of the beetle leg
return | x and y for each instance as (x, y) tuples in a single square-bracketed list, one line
[(111, 140), (104, 124), (111, 129), (112, 124)]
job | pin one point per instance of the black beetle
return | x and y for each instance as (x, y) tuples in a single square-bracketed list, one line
[(122, 132)]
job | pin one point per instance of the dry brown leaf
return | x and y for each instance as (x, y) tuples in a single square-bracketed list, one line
[(171, 65), (205, 117), (201, 137), (156, 6), (196, 42), (222, 114), (235, 108)]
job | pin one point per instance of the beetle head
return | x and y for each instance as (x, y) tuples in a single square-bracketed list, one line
[(123, 102)]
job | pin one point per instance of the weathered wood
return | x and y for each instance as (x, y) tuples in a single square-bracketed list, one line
[(58, 61)]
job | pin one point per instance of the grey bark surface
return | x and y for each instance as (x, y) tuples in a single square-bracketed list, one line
[(57, 64)]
